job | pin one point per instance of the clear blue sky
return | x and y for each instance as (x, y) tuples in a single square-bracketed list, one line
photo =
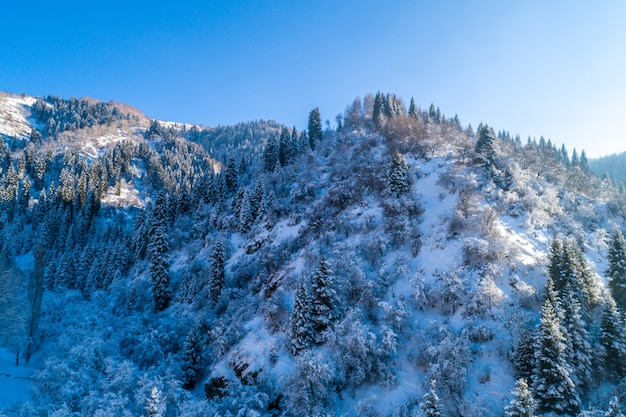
[(554, 68)]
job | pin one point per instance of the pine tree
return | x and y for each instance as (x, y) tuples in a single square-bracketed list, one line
[(578, 349), (256, 200), (155, 406), (399, 181), (378, 114), (315, 127), (286, 153), (301, 331), (614, 409), (270, 155), (323, 301), (613, 340), (553, 386), (159, 249), (193, 363), (616, 271), (230, 176), (523, 405), (245, 215), (217, 274), (485, 146), (413, 109), (431, 405)]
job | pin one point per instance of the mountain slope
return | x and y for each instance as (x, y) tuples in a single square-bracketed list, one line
[(337, 280)]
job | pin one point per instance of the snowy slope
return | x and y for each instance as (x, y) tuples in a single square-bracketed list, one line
[(14, 115)]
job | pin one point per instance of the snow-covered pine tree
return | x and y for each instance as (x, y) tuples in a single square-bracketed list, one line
[(579, 352), (155, 406), (159, 250), (217, 273), (399, 181), (193, 363), (300, 323), (614, 410), (431, 405), (315, 127), (323, 301), (485, 146), (524, 404), (256, 200), (552, 382), (245, 215), (616, 272), (230, 176), (613, 340), (285, 148), (270, 155)]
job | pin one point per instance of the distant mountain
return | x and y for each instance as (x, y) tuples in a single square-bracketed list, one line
[(613, 166), (399, 264)]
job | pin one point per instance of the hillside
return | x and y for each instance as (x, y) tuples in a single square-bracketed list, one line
[(164, 269)]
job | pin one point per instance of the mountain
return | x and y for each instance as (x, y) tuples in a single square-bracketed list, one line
[(157, 268), (613, 166)]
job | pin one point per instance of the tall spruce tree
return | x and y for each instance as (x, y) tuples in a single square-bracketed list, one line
[(524, 404), (323, 301), (158, 248), (616, 271), (193, 363), (399, 181), (553, 386), (614, 408), (432, 404), (217, 274), (315, 127), (613, 340), (485, 146), (301, 330), (270, 155)]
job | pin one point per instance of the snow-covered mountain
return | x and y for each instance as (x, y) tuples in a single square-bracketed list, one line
[(168, 269)]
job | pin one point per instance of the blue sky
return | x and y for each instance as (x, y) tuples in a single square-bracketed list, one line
[(554, 68)]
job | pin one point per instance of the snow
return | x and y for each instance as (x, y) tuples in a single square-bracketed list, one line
[(14, 115), (15, 382)]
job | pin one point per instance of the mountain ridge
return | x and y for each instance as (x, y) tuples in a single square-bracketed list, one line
[(422, 247)]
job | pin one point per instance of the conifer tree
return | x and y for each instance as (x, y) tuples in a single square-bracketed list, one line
[(616, 271), (485, 146), (553, 386), (245, 215), (431, 405), (614, 409), (323, 301), (193, 363), (270, 155), (230, 176), (315, 127), (378, 114), (613, 340), (413, 109), (523, 405), (159, 249), (578, 349), (217, 273), (285, 148), (301, 331), (256, 200), (399, 181)]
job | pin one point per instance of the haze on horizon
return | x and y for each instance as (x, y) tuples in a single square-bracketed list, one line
[(530, 67)]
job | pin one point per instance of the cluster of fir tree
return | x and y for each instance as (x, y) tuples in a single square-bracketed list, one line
[(59, 115), (557, 359)]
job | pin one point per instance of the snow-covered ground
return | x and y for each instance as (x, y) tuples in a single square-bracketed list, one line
[(15, 383), (14, 115)]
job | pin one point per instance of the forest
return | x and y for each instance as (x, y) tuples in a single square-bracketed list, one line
[(396, 264)]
